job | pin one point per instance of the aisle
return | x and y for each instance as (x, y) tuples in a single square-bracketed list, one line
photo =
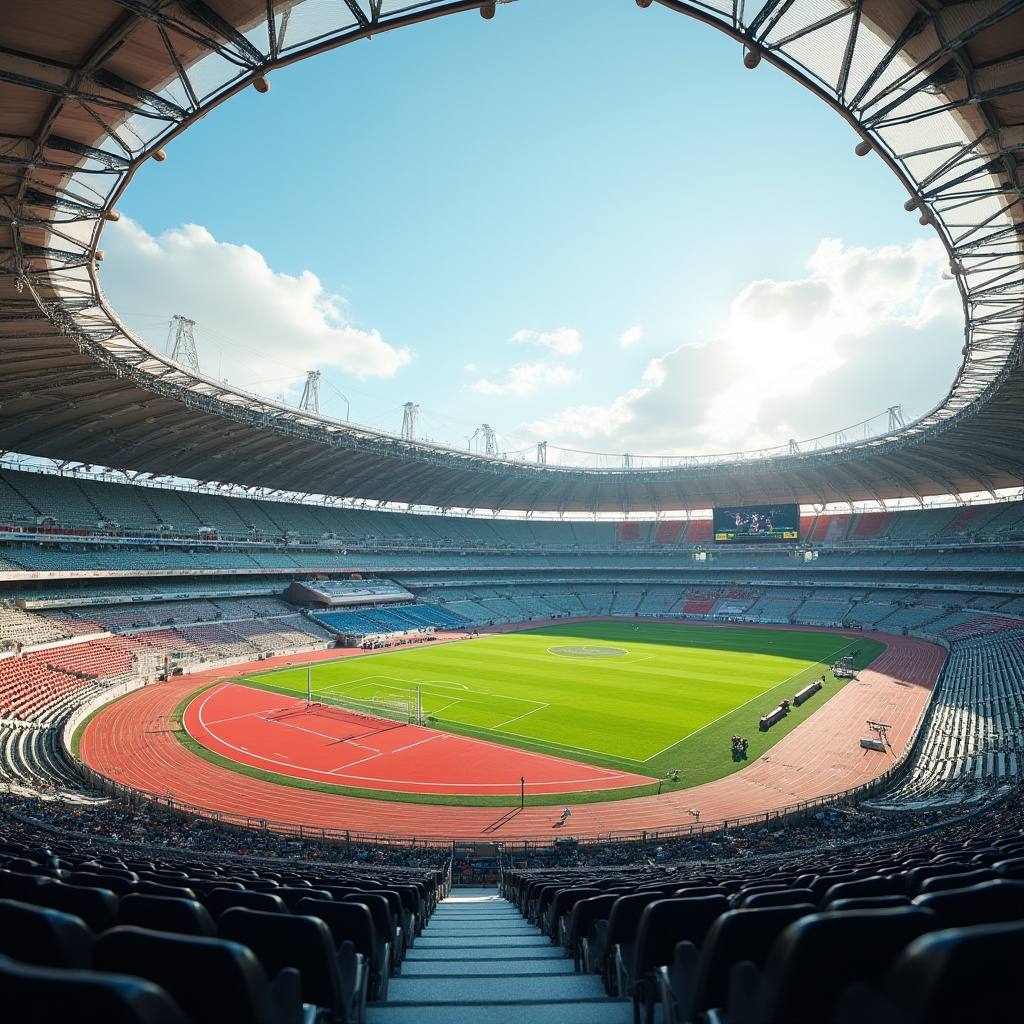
[(478, 959)]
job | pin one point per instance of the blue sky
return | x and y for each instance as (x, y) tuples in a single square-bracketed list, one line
[(580, 222)]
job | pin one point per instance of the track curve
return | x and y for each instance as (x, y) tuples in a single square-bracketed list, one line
[(133, 743)]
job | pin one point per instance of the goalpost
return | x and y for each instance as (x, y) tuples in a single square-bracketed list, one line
[(402, 710)]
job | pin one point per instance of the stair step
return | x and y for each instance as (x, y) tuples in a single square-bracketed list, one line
[(607, 1011), (466, 968), (478, 961)]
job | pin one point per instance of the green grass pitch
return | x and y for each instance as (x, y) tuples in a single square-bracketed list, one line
[(646, 697)]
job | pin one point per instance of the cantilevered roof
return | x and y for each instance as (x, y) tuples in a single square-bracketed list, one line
[(89, 89)]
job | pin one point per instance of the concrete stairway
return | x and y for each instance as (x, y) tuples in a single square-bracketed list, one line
[(479, 961)]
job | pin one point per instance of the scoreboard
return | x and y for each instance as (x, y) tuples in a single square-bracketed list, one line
[(760, 524)]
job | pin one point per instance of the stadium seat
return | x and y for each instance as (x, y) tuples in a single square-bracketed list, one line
[(383, 923), (118, 884), (988, 902), (291, 894), (875, 886), (96, 907), (963, 880), (560, 909), (219, 900), (870, 903), (961, 974), (166, 914), (334, 979), (1012, 867), (776, 898), (150, 888), (212, 980), (619, 929), (354, 923), (46, 994), (582, 918), (16, 886), (45, 937), (662, 925), (817, 956), (698, 980)]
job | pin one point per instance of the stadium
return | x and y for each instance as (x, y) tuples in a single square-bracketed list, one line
[(712, 737)]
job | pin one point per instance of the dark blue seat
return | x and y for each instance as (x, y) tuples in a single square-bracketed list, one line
[(45, 937), (45, 994), (213, 981), (333, 979), (166, 914)]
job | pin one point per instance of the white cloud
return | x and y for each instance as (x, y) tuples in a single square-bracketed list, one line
[(566, 341), (256, 327), (524, 379), (864, 330), (629, 338)]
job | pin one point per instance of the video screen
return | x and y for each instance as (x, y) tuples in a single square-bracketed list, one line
[(761, 524)]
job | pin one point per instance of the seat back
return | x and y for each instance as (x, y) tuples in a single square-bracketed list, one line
[(287, 940), (212, 980), (220, 900), (347, 921), (877, 886), (96, 907), (625, 916), (564, 901), (736, 935), (960, 880), (814, 958), (45, 937), (58, 994), (291, 894), (962, 974), (985, 903), (666, 922), (380, 911), (166, 914), (777, 898), (585, 913), (870, 903)]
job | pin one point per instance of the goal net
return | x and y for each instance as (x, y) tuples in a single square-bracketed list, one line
[(394, 708)]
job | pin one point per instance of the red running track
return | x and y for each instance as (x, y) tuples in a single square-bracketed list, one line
[(132, 742), (324, 744)]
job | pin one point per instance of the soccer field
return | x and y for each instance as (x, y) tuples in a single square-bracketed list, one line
[(646, 697)]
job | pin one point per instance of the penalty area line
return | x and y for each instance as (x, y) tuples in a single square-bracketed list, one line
[(540, 707)]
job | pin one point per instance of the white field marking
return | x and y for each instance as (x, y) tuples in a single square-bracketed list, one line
[(311, 732), (285, 756), (744, 704), (438, 711), (234, 718), (516, 719), (352, 764), (359, 681), (606, 773), (419, 743)]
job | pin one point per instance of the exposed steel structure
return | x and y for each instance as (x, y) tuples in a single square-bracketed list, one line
[(89, 89)]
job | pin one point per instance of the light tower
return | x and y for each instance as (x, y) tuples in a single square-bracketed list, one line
[(183, 349), (490, 439), (410, 416), (310, 400)]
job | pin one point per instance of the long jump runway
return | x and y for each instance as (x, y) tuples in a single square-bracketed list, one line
[(329, 745)]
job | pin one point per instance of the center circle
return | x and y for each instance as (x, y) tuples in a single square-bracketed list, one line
[(588, 652)]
